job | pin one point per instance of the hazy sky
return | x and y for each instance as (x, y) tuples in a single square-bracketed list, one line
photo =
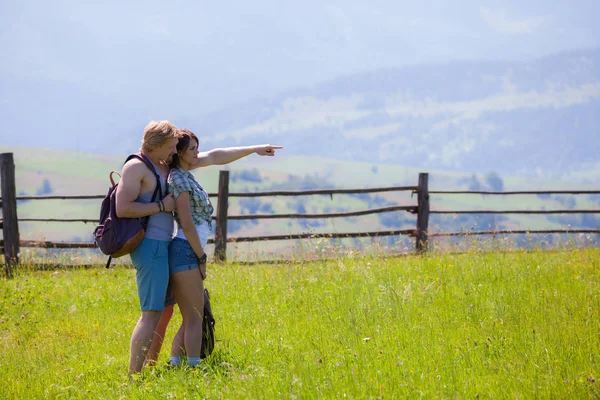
[(76, 70), (229, 51)]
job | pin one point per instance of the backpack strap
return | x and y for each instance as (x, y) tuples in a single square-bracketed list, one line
[(112, 181), (144, 158), (158, 189)]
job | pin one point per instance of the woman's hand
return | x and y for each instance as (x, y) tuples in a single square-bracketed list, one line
[(202, 270), (267, 150), (202, 265)]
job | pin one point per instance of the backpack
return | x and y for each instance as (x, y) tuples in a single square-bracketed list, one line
[(208, 328), (116, 236)]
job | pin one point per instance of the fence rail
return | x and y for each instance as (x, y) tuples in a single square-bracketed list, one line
[(94, 221), (73, 197), (514, 212), (11, 242), (506, 232), (323, 191), (336, 235), (309, 192), (526, 192)]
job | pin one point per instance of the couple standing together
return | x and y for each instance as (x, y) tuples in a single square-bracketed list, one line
[(160, 257)]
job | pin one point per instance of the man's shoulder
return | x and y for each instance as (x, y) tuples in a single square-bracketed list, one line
[(135, 166)]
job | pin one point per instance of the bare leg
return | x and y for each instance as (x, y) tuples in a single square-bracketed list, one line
[(159, 336), (177, 348), (189, 292), (140, 339)]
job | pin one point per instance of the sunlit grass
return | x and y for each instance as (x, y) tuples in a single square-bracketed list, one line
[(505, 324)]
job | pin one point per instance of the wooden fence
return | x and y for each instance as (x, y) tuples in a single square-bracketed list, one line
[(12, 241)]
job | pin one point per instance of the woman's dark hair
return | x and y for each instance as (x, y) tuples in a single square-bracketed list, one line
[(182, 145)]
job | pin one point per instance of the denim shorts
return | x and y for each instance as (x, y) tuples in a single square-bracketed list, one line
[(181, 256), (151, 261)]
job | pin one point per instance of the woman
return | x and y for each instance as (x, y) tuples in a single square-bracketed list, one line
[(187, 258)]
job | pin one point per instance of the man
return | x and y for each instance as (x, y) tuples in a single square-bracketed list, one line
[(151, 257)]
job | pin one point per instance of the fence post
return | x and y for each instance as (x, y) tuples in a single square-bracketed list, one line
[(423, 212), (222, 206), (10, 224)]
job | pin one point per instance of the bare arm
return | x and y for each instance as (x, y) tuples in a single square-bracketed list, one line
[(128, 191), (187, 224), (229, 154)]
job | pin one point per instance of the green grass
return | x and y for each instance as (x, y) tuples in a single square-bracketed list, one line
[(488, 325)]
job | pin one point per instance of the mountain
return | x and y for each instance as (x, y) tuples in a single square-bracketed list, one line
[(535, 118), (540, 117)]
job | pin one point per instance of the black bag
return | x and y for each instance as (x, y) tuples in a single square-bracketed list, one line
[(208, 328)]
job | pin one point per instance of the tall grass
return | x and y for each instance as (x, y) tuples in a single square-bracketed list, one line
[(506, 324)]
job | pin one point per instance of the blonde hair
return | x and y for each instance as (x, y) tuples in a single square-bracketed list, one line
[(156, 133)]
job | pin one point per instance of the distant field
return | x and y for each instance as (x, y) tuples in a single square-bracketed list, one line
[(70, 173)]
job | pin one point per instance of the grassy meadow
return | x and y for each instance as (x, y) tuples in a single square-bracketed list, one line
[(505, 324)]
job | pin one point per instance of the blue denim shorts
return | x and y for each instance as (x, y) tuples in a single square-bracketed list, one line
[(181, 256), (151, 261)]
